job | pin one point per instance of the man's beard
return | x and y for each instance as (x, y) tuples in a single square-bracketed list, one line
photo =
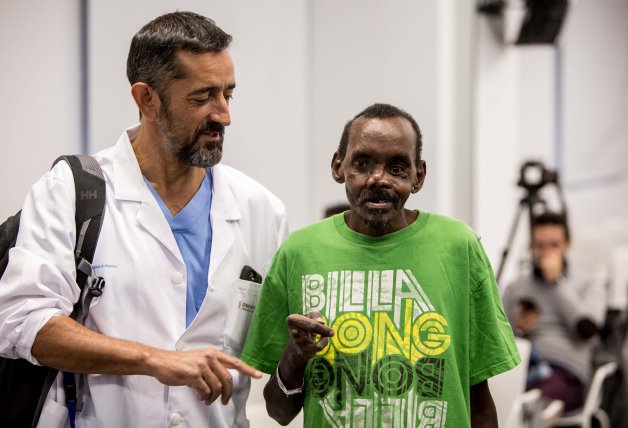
[(192, 155), (190, 152), (377, 217)]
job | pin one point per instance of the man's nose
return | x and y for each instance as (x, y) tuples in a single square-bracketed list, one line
[(377, 175), (221, 112)]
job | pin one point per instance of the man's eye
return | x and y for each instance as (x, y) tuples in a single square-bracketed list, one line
[(396, 169), (200, 100), (360, 164)]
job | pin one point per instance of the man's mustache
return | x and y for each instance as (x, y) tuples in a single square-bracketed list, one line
[(210, 127), (378, 196)]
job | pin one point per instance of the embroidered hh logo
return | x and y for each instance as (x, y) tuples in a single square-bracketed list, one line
[(88, 194)]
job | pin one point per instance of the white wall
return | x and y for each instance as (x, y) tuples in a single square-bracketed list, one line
[(567, 108), (39, 92), (595, 156), (514, 116)]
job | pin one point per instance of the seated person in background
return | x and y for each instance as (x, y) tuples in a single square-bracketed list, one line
[(560, 311), (404, 323)]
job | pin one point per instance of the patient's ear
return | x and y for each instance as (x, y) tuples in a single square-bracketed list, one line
[(421, 172), (336, 170)]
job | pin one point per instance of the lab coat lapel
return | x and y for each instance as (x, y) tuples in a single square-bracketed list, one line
[(224, 217), (153, 220), (130, 186)]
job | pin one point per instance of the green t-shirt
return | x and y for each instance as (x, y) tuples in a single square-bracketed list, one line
[(417, 319)]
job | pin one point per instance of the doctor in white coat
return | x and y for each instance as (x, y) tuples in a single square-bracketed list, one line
[(160, 344)]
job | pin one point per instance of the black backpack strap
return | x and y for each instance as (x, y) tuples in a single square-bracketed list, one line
[(8, 239), (89, 184)]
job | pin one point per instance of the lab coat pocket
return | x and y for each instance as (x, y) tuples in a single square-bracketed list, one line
[(240, 314), (53, 415)]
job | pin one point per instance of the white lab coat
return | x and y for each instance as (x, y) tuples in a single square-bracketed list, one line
[(144, 296)]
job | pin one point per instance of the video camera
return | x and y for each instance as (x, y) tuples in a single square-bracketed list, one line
[(533, 176)]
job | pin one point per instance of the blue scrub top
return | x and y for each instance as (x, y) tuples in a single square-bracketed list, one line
[(192, 230)]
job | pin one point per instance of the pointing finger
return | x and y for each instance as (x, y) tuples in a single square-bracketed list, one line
[(239, 365)]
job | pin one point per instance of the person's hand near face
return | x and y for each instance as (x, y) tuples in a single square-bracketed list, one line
[(551, 265)]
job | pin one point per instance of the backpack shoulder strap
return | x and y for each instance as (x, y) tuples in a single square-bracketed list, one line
[(8, 237), (89, 185)]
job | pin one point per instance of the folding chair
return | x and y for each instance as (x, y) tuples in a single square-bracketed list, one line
[(591, 408)]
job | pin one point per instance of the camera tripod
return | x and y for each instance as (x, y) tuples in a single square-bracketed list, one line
[(530, 201), (533, 176)]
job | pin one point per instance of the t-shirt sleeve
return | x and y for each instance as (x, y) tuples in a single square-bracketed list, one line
[(268, 333), (492, 345)]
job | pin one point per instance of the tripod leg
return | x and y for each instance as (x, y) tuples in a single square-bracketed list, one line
[(511, 237)]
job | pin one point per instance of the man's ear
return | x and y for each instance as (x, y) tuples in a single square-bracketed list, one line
[(336, 171), (146, 99), (420, 177)]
